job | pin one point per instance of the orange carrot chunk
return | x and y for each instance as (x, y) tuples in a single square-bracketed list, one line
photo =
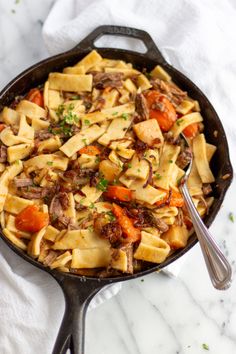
[(31, 219), (90, 150), (132, 233), (2, 127), (118, 192), (176, 199), (161, 109), (35, 96), (191, 130)]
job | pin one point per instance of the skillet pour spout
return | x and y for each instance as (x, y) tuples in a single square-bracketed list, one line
[(78, 290)]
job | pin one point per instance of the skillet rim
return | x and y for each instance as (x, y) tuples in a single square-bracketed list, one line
[(213, 212)]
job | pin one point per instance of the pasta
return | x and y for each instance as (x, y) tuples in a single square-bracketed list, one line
[(90, 164)]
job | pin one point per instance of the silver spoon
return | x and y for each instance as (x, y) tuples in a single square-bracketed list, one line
[(219, 269)]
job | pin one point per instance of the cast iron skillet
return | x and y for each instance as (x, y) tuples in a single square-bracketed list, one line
[(79, 290)]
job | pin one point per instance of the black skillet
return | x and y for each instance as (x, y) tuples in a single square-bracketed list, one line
[(79, 290)]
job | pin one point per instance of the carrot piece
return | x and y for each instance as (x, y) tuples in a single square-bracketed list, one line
[(31, 219), (35, 96), (165, 117), (176, 199), (2, 127), (191, 130), (118, 192), (132, 233), (90, 150)]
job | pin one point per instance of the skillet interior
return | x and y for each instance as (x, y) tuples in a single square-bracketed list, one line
[(38, 73)]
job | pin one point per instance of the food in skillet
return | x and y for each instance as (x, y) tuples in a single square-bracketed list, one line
[(90, 164)]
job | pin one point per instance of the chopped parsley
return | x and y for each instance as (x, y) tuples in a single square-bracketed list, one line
[(84, 141), (157, 175), (138, 170), (129, 165), (90, 228), (92, 206), (86, 122), (65, 113), (179, 121), (97, 160), (49, 163), (142, 280), (17, 162), (124, 116), (115, 113), (171, 161), (111, 216), (102, 184), (82, 201), (17, 2), (205, 346), (231, 217), (76, 97)]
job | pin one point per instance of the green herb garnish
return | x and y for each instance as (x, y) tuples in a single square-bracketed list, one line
[(171, 161), (49, 163), (124, 116), (92, 206), (231, 217), (102, 185), (129, 165), (76, 97), (115, 113), (84, 141), (97, 160), (111, 216), (86, 122), (179, 121), (205, 346), (157, 175)]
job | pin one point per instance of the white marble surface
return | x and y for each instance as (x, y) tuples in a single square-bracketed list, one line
[(159, 314)]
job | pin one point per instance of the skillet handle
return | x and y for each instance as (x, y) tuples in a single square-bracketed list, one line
[(152, 51), (78, 295)]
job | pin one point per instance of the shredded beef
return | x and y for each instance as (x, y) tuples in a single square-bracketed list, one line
[(23, 182), (184, 158), (50, 258), (103, 80), (94, 179), (112, 232), (57, 205), (30, 192), (140, 146), (3, 153), (207, 189), (43, 134), (145, 218), (173, 93), (141, 106)]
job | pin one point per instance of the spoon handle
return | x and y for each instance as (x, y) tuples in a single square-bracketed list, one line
[(219, 269)]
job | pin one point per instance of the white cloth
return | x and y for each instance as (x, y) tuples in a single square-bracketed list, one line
[(198, 38)]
